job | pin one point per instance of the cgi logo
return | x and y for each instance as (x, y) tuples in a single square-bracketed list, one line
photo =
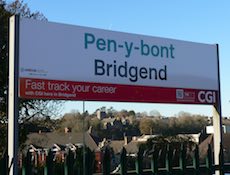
[(207, 97)]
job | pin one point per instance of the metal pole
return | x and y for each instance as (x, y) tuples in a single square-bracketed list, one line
[(84, 170), (217, 119), (13, 95)]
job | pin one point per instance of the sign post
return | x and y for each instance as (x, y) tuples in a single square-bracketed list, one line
[(217, 125), (13, 95), (217, 121)]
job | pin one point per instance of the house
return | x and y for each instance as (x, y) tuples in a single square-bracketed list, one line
[(47, 140), (113, 124), (203, 146), (101, 114), (210, 129)]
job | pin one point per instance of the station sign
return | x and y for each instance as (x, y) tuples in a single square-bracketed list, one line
[(60, 61)]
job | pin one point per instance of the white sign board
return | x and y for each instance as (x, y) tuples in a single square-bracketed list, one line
[(58, 61)]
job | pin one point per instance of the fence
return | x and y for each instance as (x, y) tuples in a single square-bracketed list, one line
[(141, 164)]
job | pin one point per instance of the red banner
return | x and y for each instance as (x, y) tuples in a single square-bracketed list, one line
[(69, 90)]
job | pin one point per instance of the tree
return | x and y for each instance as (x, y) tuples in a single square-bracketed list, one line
[(74, 122), (28, 108), (132, 113), (111, 112), (146, 126), (155, 113), (96, 124), (39, 108)]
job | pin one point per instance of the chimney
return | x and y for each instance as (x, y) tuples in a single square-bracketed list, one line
[(103, 142), (125, 140), (66, 129), (90, 129)]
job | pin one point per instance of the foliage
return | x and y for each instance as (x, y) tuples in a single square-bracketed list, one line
[(132, 113), (73, 121), (28, 108), (146, 126), (154, 113), (96, 124), (163, 144), (39, 108), (186, 124), (170, 139), (176, 141), (183, 124)]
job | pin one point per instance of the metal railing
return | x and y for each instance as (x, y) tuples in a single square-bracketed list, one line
[(71, 163)]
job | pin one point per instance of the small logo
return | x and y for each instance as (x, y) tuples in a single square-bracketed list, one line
[(207, 96), (179, 93), (185, 95), (30, 71)]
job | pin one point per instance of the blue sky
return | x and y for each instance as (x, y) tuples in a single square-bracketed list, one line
[(197, 21)]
